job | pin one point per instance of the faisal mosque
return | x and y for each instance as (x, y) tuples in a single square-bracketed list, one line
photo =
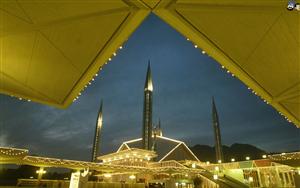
[(51, 52)]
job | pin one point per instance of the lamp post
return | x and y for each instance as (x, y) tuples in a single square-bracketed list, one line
[(132, 178), (40, 173)]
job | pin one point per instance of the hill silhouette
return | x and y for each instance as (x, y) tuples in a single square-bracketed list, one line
[(237, 151)]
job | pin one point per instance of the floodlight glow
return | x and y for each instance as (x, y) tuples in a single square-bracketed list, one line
[(107, 175), (193, 165), (250, 179), (41, 171), (215, 176)]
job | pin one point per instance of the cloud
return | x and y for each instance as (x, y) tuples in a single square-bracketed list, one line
[(4, 141), (60, 134)]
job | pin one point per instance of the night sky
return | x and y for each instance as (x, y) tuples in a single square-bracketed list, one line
[(184, 82)]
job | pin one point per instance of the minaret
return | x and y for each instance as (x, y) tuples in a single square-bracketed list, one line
[(216, 125), (159, 130), (147, 113), (156, 132), (97, 134)]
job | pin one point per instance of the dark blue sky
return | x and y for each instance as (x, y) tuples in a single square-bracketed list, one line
[(184, 82)]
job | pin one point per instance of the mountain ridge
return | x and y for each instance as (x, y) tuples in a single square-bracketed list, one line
[(238, 151)]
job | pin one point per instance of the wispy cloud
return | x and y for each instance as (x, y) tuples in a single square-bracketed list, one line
[(61, 134), (4, 141)]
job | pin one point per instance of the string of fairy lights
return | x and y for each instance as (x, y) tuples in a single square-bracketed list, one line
[(114, 54), (195, 46), (13, 152), (160, 167), (285, 156), (52, 162), (255, 93)]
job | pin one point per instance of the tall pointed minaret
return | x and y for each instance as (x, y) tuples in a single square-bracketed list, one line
[(96, 145), (159, 125), (156, 132), (147, 113), (216, 125), (159, 130)]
